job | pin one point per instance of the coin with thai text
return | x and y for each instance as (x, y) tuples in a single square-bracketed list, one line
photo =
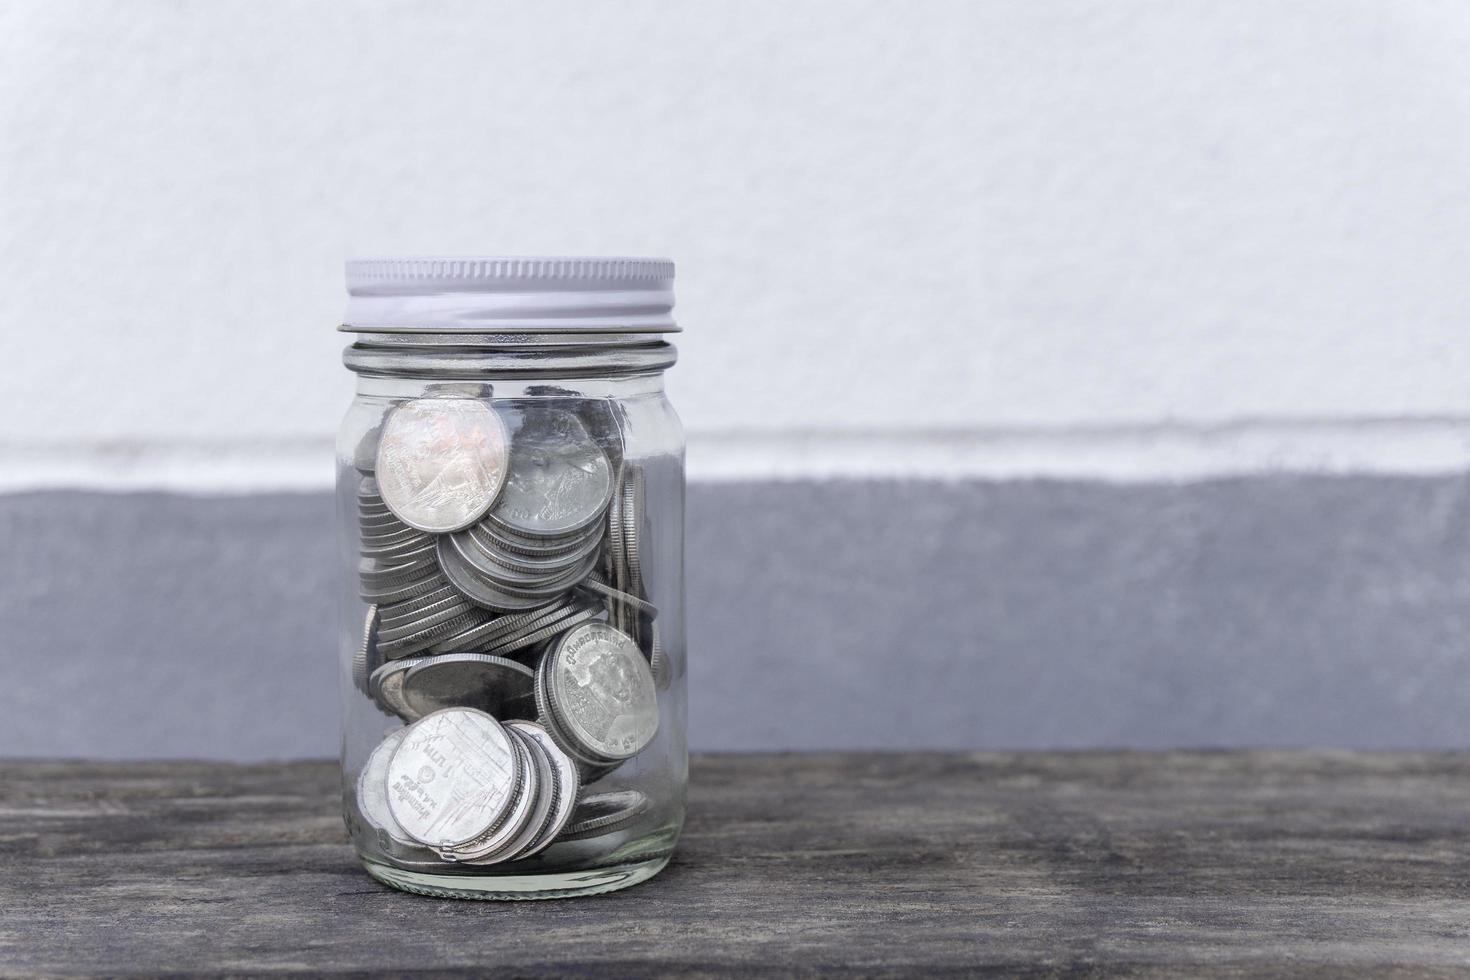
[(454, 777)]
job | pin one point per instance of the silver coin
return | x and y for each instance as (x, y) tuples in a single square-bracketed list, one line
[(385, 687), (547, 714), (521, 827), (441, 462), (491, 628), (365, 659), (403, 553), (375, 574), (416, 620), (395, 594), (493, 596), (615, 565), (605, 813), (398, 533), (372, 789), (494, 536), (474, 680), (559, 479), (658, 660), (553, 629), (594, 583), (382, 523), (423, 639), (518, 812), (543, 563), (416, 605), (633, 517), (565, 787), (547, 796), (514, 582), (603, 692), (453, 778), (516, 625)]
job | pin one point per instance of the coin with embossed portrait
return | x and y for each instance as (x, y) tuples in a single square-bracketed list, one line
[(441, 462), (602, 693)]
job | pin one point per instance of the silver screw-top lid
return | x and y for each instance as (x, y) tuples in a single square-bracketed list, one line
[(597, 294)]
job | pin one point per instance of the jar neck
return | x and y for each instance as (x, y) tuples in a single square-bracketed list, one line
[(532, 358), (409, 364)]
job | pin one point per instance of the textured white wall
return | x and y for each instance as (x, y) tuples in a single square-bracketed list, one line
[(1120, 237)]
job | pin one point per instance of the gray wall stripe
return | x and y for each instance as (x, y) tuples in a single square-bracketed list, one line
[(1285, 610)]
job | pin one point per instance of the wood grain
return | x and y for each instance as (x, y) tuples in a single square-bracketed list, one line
[(1071, 865)]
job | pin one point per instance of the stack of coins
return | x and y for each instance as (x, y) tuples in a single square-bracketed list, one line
[(508, 624)]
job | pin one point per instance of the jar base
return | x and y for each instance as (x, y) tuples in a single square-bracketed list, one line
[(567, 884)]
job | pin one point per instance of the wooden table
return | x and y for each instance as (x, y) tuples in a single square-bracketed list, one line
[(1326, 864)]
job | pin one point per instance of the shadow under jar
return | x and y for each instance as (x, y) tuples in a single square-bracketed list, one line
[(510, 492)]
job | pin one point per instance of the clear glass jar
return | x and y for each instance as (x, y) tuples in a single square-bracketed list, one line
[(510, 490)]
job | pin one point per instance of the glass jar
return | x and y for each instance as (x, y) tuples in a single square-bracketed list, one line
[(510, 491)]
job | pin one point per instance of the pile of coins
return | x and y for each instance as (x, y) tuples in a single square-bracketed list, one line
[(508, 624)]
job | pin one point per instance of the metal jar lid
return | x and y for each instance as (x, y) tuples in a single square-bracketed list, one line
[(500, 294)]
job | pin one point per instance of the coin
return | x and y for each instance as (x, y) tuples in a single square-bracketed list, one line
[(484, 564), (425, 638), (393, 594), (441, 462), (559, 479), (453, 778), (365, 660), (658, 660), (492, 628), (498, 582), (417, 620), (396, 613), (494, 536), (375, 574), (543, 563), (401, 553), (387, 536), (601, 692), (545, 800), (565, 786), (473, 680), (605, 813), (490, 595), (594, 583), (512, 644), (498, 844), (385, 686), (372, 789), (633, 518)]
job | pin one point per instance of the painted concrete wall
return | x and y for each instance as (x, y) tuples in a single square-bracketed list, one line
[(943, 236)]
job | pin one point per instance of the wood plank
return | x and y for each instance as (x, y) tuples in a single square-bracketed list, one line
[(1327, 864)]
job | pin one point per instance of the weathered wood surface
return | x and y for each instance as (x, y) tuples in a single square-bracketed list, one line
[(1089, 864)]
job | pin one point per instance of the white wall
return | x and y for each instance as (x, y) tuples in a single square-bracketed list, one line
[(1119, 238)]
